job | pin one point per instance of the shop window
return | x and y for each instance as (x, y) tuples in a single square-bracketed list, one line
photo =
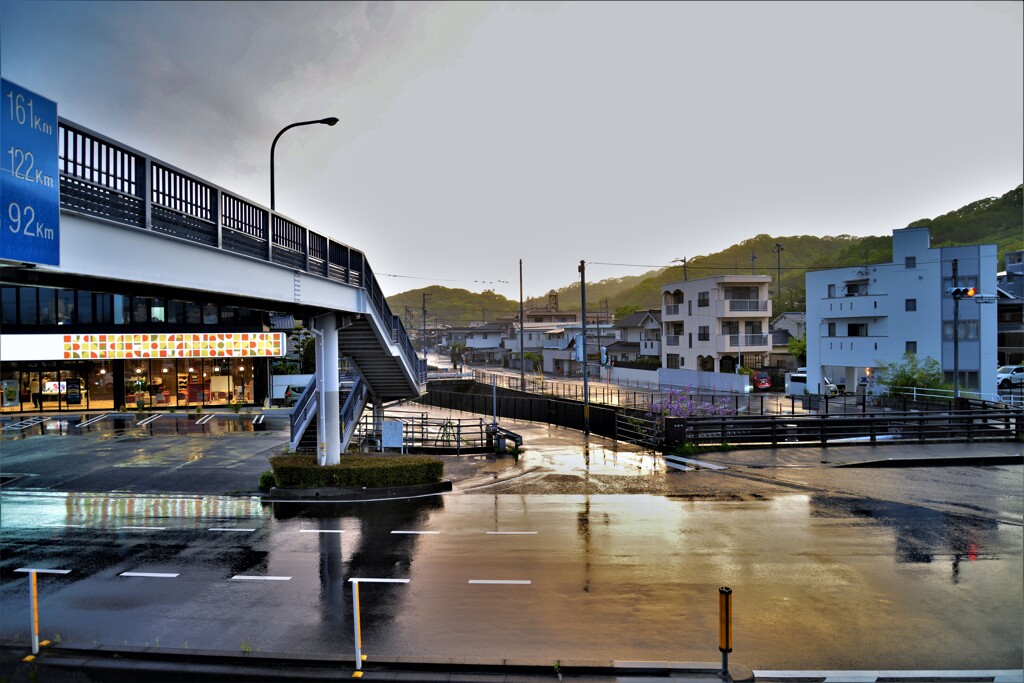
[(28, 306), (210, 316), (122, 313), (9, 306), (104, 308), (65, 306), (157, 310), (193, 313), (140, 310), (83, 307), (47, 306), (175, 312)]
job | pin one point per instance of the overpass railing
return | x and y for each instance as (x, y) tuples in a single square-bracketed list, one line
[(101, 177)]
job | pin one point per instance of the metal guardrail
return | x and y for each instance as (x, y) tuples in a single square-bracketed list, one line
[(424, 434), (911, 427), (103, 178)]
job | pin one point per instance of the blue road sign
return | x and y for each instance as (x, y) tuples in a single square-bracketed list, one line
[(29, 177)]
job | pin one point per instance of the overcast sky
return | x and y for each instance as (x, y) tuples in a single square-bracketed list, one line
[(473, 135)]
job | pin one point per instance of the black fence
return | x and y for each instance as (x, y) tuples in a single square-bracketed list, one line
[(824, 430), (977, 421), (473, 397)]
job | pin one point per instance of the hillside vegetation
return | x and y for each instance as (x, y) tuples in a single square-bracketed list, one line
[(995, 220)]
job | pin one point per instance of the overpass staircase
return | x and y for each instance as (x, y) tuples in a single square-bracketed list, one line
[(353, 396)]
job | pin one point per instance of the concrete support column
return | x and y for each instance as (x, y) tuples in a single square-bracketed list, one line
[(378, 417), (329, 423)]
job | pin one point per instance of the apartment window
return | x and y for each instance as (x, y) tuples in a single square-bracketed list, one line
[(703, 299), (831, 291), (859, 288), (689, 307), (857, 330), (910, 262), (672, 360), (831, 329), (962, 281), (911, 347), (968, 329), (703, 333), (210, 316), (910, 304), (690, 339)]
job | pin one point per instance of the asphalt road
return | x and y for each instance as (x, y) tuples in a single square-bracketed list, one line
[(570, 553)]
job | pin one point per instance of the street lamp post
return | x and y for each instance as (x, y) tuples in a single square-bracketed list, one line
[(329, 121)]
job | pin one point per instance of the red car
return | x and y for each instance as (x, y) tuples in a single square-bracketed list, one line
[(762, 380)]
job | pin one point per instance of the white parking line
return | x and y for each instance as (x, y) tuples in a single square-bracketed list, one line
[(65, 526), (43, 571), (511, 533), (508, 582), (144, 528), (149, 575), (242, 577), (229, 529), (93, 420), (415, 532), (321, 531)]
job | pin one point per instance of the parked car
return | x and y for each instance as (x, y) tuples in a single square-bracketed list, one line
[(292, 394), (1010, 376), (762, 380)]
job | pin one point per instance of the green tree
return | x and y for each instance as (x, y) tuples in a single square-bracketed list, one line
[(911, 373), (797, 347)]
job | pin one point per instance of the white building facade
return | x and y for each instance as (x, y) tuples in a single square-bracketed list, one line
[(716, 323), (862, 316)]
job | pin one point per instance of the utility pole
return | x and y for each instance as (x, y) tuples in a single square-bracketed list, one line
[(425, 295), (586, 391), (522, 321), (753, 258), (683, 261), (777, 249), (607, 319), (956, 335)]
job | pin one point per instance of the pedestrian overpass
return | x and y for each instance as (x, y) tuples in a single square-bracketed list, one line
[(140, 224)]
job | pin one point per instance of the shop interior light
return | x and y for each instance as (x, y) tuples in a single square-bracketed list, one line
[(191, 369), (165, 371), (138, 371)]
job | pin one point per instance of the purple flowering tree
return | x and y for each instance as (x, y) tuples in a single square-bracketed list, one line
[(682, 404)]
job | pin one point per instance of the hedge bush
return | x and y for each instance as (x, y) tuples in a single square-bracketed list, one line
[(302, 471)]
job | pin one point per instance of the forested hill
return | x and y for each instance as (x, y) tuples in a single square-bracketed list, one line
[(996, 220)]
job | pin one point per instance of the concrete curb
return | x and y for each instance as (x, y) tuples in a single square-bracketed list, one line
[(950, 461), (344, 494), (133, 664)]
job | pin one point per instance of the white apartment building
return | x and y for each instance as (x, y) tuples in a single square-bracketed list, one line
[(861, 316), (716, 323)]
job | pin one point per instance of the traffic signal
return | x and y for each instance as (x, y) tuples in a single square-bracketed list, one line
[(961, 292)]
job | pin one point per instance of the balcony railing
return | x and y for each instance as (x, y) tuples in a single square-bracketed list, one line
[(744, 342), (101, 177), (672, 309), (672, 340), (731, 307)]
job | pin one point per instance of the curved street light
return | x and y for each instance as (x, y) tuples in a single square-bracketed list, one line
[(329, 121)]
